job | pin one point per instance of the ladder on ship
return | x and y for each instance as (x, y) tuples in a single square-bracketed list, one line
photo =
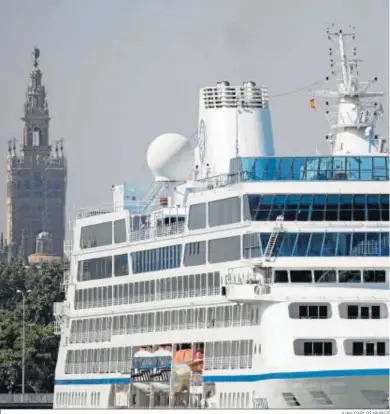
[(273, 238)]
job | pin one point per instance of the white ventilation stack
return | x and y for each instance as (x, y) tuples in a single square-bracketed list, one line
[(233, 121)]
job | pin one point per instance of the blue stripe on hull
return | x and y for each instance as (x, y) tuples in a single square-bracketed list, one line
[(243, 378), (296, 375)]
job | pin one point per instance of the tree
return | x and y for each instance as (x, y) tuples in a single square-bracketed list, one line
[(41, 346)]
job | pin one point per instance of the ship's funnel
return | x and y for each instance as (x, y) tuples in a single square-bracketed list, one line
[(233, 121)]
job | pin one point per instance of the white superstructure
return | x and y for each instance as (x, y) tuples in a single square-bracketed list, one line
[(243, 279)]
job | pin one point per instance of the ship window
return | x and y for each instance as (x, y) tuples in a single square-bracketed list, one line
[(120, 234), (315, 347), (197, 216), (224, 250), (325, 276), (367, 311), (321, 398), (223, 212), (374, 276), (309, 311), (376, 397), (96, 235), (93, 269), (349, 276), (366, 347), (301, 276), (195, 254), (121, 265), (290, 399), (280, 276)]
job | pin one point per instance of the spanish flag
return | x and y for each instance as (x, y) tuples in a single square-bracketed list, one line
[(312, 104)]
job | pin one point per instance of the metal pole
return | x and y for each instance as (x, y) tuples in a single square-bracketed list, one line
[(23, 343)]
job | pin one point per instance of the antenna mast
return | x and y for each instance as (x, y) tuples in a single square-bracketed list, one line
[(353, 115)]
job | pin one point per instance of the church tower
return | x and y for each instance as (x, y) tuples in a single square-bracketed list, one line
[(36, 177)]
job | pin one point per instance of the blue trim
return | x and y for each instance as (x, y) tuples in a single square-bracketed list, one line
[(93, 381), (243, 378), (297, 375)]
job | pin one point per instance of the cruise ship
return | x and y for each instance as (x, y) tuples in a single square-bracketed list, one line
[(242, 279)]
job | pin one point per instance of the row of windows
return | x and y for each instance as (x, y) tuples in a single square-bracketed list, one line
[(364, 168), (318, 207), (102, 267), (374, 397), (101, 329), (103, 234), (228, 249), (187, 286), (323, 311), (235, 400), (99, 360), (352, 347), (152, 260), (325, 244), (77, 399), (228, 355), (329, 276)]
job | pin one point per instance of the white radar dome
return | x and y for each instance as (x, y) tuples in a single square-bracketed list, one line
[(171, 157)]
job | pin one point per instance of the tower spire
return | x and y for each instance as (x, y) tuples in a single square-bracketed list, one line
[(36, 112)]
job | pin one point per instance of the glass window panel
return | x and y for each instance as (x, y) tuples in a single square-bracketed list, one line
[(366, 168), (318, 207), (350, 276), (277, 207), (358, 244), (359, 208), (379, 171), (291, 207), (280, 276), (260, 168), (384, 245), (285, 168), (385, 207), (353, 168), (372, 245), (298, 168), (287, 244), (304, 212), (315, 245), (332, 207), (346, 203), (301, 276), (338, 168), (325, 276), (302, 244), (344, 244), (271, 169)]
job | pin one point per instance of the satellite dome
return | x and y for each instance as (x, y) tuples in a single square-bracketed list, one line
[(171, 157)]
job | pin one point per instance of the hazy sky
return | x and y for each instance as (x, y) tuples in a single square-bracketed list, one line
[(121, 72)]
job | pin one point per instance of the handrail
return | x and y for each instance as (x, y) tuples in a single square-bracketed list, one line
[(26, 398)]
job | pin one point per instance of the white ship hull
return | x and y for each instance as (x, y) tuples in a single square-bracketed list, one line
[(264, 287)]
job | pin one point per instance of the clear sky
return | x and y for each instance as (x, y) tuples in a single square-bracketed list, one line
[(121, 72)]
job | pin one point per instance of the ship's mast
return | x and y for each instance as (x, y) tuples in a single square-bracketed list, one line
[(354, 112)]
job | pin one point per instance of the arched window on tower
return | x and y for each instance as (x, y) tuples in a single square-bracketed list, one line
[(36, 137)]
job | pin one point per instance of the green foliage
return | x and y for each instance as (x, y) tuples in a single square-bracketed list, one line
[(41, 344)]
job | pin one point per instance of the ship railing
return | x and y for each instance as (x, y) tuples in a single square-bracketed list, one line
[(148, 298), (227, 362), (199, 324), (156, 232), (26, 398)]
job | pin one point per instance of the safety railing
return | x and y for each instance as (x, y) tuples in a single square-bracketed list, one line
[(26, 399)]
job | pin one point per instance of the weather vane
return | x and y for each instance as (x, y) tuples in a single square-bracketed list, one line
[(36, 54)]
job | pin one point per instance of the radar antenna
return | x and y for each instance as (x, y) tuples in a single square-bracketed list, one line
[(354, 109)]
